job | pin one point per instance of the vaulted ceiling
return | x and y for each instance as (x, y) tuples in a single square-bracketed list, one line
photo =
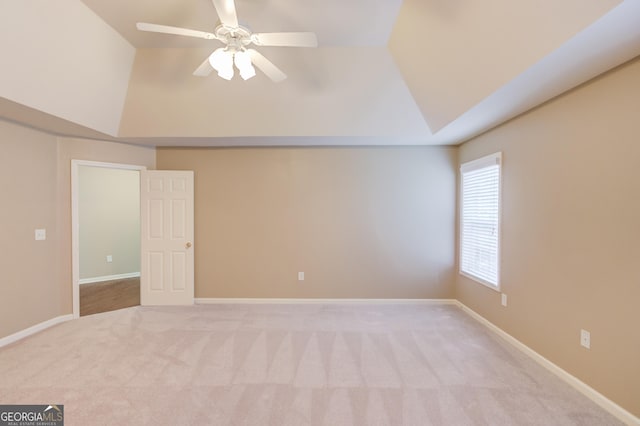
[(386, 72)]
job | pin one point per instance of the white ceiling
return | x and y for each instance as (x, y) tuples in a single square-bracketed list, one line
[(387, 72)]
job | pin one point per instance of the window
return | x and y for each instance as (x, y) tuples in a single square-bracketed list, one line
[(480, 220)]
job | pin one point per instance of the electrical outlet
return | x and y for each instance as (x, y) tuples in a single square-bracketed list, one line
[(504, 299), (109, 258), (585, 339), (40, 234), (300, 276)]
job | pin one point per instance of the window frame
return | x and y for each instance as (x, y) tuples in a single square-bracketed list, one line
[(477, 164)]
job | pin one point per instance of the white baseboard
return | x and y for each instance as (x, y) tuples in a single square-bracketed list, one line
[(108, 278), (576, 383), (34, 329), (240, 301)]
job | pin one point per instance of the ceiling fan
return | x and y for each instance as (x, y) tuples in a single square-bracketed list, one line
[(236, 39)]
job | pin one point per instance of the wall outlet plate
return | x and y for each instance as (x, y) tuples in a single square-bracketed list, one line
[(300, 276), (585, 339), (109, 258), (40, 234), (504, 299)]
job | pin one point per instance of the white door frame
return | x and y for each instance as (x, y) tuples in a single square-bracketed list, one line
[(75, 221)]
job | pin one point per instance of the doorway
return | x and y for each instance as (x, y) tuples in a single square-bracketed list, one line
[(105, 235)]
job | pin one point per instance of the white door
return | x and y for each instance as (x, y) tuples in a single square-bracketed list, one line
[(166, 228)]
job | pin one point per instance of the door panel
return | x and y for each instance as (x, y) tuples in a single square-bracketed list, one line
[(155, 268), (156, 218), (179, 266), (178, 213), (167, 275)]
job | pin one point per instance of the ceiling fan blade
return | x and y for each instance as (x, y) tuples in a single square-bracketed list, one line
[(285, 39), (226, 12), (155, 28), (266, 66), (204, 69)]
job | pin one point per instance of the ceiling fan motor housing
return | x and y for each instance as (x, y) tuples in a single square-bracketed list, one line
[(235, 38)]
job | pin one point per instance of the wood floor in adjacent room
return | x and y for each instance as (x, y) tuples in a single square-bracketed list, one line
[(109, 295), (287, 365)]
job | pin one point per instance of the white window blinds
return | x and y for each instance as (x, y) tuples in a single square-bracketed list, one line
[(480, 220)]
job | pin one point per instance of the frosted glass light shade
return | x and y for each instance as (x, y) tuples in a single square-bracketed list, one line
[(226, 73), (243, 63), (222, 61), (219, 59)]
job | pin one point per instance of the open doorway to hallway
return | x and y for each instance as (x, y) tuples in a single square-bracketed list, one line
[(106, 228)]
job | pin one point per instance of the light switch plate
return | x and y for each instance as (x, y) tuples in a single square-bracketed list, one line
[(300, 276), (41, 234)]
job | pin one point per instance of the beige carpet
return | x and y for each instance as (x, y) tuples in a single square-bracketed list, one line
[(287, 365)]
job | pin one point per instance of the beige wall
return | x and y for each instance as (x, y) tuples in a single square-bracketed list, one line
[(28, 290), (360, 222), (109, 221), (571, 232), (36, 180)]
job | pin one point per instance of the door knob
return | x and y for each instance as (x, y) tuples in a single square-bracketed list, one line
[(188, 245)]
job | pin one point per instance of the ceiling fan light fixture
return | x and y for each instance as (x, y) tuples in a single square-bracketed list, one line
[(221, 59), (226, 73), (236, 39), (243, 63), (246, 74)]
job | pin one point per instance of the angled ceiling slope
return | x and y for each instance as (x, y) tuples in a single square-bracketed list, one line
[(63, 60), (469, 49)]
